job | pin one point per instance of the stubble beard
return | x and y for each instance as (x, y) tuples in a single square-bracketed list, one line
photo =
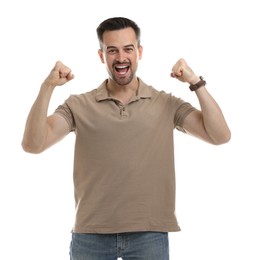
[(122, 81)]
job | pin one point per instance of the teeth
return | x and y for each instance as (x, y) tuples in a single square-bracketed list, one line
[(121, 67)]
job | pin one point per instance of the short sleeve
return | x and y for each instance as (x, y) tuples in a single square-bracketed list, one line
[(183, 110), (65, 111)]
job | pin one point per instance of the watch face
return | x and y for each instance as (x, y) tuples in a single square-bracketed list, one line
[(199, 84)]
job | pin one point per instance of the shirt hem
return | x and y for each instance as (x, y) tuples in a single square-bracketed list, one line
[(107, 230)]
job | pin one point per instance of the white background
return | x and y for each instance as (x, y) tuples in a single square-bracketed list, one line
[(214, 183)]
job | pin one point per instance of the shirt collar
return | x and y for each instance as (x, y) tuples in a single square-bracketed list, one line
[(144, 91)]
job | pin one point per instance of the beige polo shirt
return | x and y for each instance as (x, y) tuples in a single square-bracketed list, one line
[(124, 175)]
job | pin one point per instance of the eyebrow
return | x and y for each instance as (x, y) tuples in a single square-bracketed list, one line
[(125, 46)]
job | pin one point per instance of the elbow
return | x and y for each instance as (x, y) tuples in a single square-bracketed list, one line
[(225, 138), (30, 148), (228, 137)]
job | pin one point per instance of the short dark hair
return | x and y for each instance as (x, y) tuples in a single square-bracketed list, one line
[(117, 23)]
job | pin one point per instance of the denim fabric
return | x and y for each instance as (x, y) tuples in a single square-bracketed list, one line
[(128, 246)]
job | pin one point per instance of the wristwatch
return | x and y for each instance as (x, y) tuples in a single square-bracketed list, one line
[(198, 85)]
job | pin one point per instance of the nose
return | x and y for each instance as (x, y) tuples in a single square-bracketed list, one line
[(121, 56)]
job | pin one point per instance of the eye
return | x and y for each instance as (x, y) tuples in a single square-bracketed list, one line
[(112, 51), (128, 49)]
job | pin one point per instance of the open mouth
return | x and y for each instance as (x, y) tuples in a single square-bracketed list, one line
[(122, 69)]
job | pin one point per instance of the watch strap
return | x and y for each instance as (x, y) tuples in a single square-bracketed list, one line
[(198, 85)]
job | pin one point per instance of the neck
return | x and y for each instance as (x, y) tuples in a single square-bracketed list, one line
[(123, 93)]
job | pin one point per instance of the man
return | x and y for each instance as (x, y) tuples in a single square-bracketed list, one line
[(124, 175)]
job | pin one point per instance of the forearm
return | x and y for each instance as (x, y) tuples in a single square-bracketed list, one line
[(213, 119), (36, 128)]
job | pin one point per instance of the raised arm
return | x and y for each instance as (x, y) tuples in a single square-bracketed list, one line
[(208, 124), (42, 131)]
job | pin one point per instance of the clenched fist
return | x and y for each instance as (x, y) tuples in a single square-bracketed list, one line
[(184, 73), (59, 75)]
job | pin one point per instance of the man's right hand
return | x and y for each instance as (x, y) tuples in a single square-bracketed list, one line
[(59, 75)]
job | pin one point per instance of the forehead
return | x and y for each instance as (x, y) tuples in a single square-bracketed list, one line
[(120, 37)]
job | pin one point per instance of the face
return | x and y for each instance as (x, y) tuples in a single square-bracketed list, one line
[(120, 53)]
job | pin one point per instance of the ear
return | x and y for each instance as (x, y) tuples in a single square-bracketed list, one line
[(140, 51), (100, 53)]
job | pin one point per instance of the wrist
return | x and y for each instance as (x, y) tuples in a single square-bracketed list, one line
[(200, 83), (194, 80), (48, 85)]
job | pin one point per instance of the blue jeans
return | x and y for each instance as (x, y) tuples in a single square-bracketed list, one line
[(128, 246)]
